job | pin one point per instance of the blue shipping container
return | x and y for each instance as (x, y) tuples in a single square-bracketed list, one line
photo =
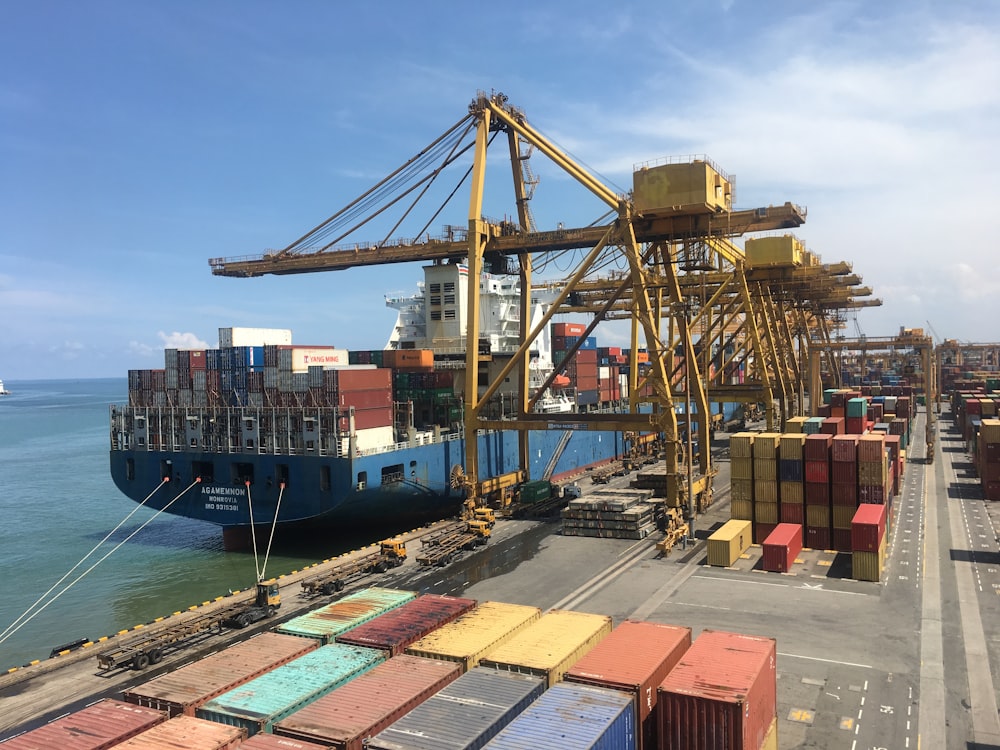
[(789, 470), (573, 717)]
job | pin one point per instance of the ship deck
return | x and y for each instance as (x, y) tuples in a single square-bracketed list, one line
[(904, 663)]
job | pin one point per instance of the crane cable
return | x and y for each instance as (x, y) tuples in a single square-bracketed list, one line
[(82, 559), (274, 523), (11, 630)]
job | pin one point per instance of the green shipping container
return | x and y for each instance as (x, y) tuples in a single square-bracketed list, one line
[(326, 623)]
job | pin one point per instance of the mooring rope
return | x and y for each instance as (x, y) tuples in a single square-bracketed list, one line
[(274, 522), (253, 532)]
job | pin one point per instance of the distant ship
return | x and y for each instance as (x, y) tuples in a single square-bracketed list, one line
[(3, 391), (321, 438)]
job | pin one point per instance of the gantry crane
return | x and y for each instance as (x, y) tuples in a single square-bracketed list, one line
[(686, 287)]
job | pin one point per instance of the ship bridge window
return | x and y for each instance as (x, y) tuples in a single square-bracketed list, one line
[(205, 470)]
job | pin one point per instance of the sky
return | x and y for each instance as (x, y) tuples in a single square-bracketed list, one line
[(138, 140)]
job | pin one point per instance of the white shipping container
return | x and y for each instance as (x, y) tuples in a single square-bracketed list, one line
[(374, 437), (254, 336), (604, 373), (301, 358)]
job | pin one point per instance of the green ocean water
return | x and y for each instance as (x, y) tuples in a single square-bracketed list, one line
[(57, 502)]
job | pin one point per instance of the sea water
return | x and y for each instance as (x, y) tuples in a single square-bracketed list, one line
[(57, 502)]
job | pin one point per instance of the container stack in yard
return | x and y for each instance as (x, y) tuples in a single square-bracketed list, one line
[(988, 457), (396, 629), (791, 471), (326, 623), (102, 725), (868, 542), (611, 514), (843, 489), (728, 543), (722, 694), (186, 732), (741, 473), (765, 484)]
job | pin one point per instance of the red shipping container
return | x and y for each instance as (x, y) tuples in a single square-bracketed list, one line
[(793, 513), (721, 695), (841, 540), (892, 443), (817, 537), (370, 399), (817, 472), (366, 419), (273, 742), (824, 410), (189, 733), (781, 547), (369, 703), (855, 425), (817, 493), (568, 329), (762, 531), (366, 380), (844, 448), (868, 528), (844, 472), (872, 493), (833, 425), (844, 494), (400, 627), (817, 447), (635, 659), (97, 727)]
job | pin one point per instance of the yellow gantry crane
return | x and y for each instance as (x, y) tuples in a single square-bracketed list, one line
[(697, 306)]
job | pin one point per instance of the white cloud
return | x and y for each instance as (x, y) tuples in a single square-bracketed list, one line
[(177, 340)]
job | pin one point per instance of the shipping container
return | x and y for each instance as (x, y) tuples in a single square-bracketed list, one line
[(635, 659), (721, 696), (765, 468), (401, 627), (792, 492), (232, 337), (464, 715), (781, 547), (550, 646), (741, 445), (868, 527), (817, 447), (573, 717), (274, 742), (185, 689), (766, 512), (844, 448), (476, 633), (792, 513), (186, 732), (260, 703), (345, 718), (741, 490), (102, 725), (727, 543), (871, 447), (327, 622), (741, 468), (818, 537), (765, 445), (867, 566)]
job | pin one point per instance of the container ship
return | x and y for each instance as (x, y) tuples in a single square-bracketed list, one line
[(265, 431)]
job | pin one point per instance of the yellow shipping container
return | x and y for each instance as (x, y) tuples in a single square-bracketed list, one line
[(786, 250), (741, 445), (792, 492), (741, 468), (818, 515), (469, 638), (693, 187), (727, 543), (873, 472), (792, 446), (741, 489), (766, 512), (867, 566), (550, 646), (765, 468), (989, 431), (741, 510), (765, 445), (843, 515), (795, 425), (988, 406), (765, 491)]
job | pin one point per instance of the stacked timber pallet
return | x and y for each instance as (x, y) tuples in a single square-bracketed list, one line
[(611, 514)]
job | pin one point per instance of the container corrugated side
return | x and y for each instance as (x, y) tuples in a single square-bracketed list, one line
[(473, 635), (186, 688), (393, 631), (465, 715), (552, 645), (635, 659), (781, 547), (189, 733), (326, 623), (728, 542), (867, 566), (365, 706), (722, 695), (258, 704), (97, 727), (573, 717), (274, 742)]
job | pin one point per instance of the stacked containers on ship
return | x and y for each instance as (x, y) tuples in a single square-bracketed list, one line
[(346, 717), (765, 484), (464, 715), (469, 638), (843, 488), (988, 455), (399, 628), (816, 454), (741, 475), (572, 717), (635, 659), (97, 727), (722, 694), (259, 704), (183, 690), (550, 646), (791, 475), (868, 542), (327, 622), (189, 733)]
